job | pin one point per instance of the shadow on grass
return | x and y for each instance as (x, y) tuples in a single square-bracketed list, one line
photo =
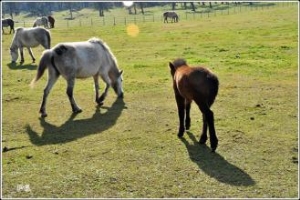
[(214, 165), (74, 129), (18, 66)]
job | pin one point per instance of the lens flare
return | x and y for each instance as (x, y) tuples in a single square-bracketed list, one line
[(132, 30), (127, 3)]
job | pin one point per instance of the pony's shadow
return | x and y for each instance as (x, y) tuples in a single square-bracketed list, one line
[(214, 165), (20, 66), (74, 129)]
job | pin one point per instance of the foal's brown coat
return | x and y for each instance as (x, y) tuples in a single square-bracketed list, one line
[(198, 84)]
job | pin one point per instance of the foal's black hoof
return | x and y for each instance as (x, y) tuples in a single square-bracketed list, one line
[(100, 99), (180, 135), (100, 103), (202, 140)]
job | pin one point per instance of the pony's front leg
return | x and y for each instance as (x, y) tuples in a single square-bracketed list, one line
[(103, 96), (181, 112), (96, 82), (31, 54), (70, 87), (22, 55)]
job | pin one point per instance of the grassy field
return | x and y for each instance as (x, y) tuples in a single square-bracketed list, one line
[(130, 148)]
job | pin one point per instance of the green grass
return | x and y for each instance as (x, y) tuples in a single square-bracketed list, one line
[(130, 148)]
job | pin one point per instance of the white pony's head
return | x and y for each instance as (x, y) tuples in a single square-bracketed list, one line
[(117, 85), (14, 46), (14, 54)]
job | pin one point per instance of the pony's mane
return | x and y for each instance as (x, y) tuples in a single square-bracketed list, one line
[(106, 48)]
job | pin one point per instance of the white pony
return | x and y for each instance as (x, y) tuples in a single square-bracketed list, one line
[(41, 21), (29, 37), (80, 60)]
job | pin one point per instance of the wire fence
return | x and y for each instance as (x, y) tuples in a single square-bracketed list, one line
[(183, 15)]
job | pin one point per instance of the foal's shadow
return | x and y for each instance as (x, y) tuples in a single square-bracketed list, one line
[(19, 66), (214, 165), (74, 129)]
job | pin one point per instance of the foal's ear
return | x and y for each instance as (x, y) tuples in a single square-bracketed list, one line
[(172, 67)]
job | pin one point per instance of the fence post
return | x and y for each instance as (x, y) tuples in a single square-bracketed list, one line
[(103, 21), (114, 21), (228, 8)]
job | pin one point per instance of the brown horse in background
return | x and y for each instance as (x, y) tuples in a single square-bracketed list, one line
[(51, 21), (198, 84)]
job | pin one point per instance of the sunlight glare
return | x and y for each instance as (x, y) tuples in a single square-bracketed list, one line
[(127, 3)]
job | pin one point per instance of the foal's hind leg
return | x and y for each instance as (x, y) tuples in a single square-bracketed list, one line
[(209, 117), (70, 87), (187, 115), (203, 137), (181, 112)]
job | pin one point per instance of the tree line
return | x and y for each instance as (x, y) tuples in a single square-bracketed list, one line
[(46, 8)]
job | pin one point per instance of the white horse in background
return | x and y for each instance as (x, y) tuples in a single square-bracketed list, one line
[(41, 21), (80, 60), (29, 37)]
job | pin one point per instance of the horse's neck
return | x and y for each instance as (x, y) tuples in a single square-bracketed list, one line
[(113, 72), (15, 43)]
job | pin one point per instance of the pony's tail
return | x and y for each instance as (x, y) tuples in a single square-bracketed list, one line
[(213, 89), (44, 62), (48, 39)]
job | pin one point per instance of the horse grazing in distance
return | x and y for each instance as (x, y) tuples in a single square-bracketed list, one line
[(51, 21), (41, 21), (29, 37), (195, 84), (8, 22), (80, 60), (173, 15)]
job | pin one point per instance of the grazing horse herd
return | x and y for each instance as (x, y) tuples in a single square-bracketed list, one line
[(93, 58)]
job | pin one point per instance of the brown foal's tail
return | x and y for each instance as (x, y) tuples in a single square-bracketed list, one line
[(44, 63), (214, 88)]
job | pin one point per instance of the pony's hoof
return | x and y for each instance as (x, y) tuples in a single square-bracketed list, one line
[(180, 135), (43, 115), (203, 140), (187, 127), (214, 146), (100, 103), (77, 111), (100, 99)]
